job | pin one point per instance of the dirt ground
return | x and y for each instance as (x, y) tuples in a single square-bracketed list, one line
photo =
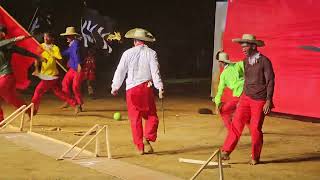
[(291, 147), (23, 163)]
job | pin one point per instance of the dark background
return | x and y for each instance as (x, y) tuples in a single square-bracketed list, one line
[(183, 29)]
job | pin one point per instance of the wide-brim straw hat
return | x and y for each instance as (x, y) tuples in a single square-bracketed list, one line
[(140, 34), (223, 57), (249, 38), (70, 31)]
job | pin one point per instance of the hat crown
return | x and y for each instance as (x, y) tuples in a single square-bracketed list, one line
[(248, 37), (223, 56), (140, 34), (70, 30)]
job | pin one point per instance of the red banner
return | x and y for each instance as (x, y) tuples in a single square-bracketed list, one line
[(285, 26), (19, 63)]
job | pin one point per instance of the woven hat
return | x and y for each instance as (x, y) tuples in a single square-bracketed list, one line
[(249, 38), (69, 32), (140, 34), (223, 57)]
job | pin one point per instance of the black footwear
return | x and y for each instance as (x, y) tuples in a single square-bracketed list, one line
[(147, 146)]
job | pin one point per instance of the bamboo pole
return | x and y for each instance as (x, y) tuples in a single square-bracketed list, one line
[(108, 142), (22, 120), (220, 166), (95, 136), (76, 143), (14, 113), (97, 150), (204, 165), (31, 117)]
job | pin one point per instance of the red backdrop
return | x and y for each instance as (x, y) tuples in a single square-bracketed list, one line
[(20, 64), (284, 26)]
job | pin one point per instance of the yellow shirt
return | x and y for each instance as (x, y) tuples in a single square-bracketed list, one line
[(51, 53)]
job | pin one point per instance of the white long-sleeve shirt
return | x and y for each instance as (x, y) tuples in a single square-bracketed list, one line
[(140, 64)]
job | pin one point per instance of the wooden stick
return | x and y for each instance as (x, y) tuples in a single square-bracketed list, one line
[(194, 161), (108, 142), (162, 109), (62, 67), (97, 151), (59, 142), (220, 166), (23, 115), (76, 143), (14, 113), (31, 117), (12, 119), (95, 136), (204, 165), (22, 120)]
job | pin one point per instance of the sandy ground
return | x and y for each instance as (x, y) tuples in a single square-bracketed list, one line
[(291, 147), (23, 163)]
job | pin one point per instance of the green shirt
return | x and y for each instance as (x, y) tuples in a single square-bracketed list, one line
[(231, 77), (6, 49)]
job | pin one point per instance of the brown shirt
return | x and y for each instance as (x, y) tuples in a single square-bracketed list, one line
[(259, 79)]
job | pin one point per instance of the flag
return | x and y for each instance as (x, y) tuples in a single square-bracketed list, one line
[(96, 28), (19, 63)]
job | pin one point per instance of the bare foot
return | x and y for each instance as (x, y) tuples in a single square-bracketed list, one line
[(225, 156), (147, 146), (254, 162)]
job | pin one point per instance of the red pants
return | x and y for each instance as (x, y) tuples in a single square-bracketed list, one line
[(8, 92), (248, 111), (43, 87), (75, 79), (141, 104), (227, 111)]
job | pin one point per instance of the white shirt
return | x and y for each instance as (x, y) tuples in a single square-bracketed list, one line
[(254, 58), (140, 64)]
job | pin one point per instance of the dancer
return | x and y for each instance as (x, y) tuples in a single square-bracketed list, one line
[(231, 77), (140, 65), (8, 91), (74, 76), (49, 74), (256, 100)]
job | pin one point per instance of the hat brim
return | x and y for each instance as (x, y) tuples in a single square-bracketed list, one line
[(69, 34), (259, 43), (140, 38)]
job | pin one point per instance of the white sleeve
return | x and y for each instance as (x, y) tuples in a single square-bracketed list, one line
[(120, 73), (155, 72)]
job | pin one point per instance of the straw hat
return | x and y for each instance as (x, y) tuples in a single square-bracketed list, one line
[(140, 34), (69, 32), (249, 38), (223, 57)]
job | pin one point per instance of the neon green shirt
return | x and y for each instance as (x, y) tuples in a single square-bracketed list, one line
[(233, 78)]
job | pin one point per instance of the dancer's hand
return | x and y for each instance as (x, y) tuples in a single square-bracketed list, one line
[(218, 108), (19, 38), (267, 107), (114, 92), (79, 68), (161, 92)]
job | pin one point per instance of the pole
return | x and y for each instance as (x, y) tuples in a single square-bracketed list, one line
[(34, 15), (164, 125)]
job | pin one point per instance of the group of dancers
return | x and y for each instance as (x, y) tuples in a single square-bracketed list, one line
[(251, 80)]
